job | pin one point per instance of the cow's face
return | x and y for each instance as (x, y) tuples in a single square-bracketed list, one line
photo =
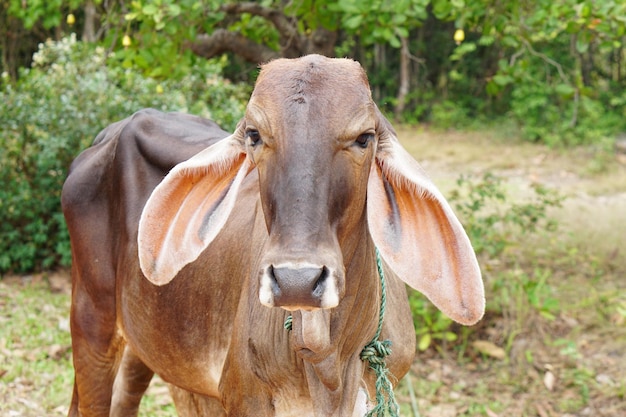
[(332, 175), (310, 130)]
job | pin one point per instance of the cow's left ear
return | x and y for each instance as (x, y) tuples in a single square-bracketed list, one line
[(417, 233), (189, 208)]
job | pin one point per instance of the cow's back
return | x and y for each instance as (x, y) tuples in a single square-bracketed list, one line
[(147, 138), (109, 182)]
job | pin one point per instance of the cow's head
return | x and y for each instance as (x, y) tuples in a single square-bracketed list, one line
[(328, 162)]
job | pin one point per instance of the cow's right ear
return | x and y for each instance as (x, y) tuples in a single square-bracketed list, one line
[(189, 208)]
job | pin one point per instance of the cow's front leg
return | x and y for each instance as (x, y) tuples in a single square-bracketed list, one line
[(133, 378), (96, 351)]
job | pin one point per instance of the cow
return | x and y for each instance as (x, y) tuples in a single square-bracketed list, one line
[(192, 246)]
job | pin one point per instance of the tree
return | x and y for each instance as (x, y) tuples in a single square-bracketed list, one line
[(382, 22), (553, 65), (254, 31), (560, 61), (313, 38)]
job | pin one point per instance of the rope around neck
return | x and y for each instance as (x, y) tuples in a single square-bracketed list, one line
[(375, 353)]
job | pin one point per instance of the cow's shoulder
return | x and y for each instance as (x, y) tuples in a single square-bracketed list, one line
[(141, 149), (166, 139)]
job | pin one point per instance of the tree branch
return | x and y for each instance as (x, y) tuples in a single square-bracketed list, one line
[(564, 78), (293, 43), (547, 59), (286, 27), (221, 40)]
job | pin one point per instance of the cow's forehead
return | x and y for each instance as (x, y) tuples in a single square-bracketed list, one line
[(312, 77), (334, 88), (312, 64)]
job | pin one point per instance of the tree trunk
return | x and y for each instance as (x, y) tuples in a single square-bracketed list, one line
[(321, 41), (222, 40), (89, 30), (379, 62), (403, 89), (618, 60)]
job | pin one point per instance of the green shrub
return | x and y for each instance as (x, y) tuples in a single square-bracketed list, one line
[(552, 115), (55, 111), (492, 221), (448, 115)]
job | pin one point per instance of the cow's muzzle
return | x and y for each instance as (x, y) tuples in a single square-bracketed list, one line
[(298, 287)]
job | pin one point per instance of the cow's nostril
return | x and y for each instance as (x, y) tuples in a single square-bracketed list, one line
[(320, 284), (275, 287)]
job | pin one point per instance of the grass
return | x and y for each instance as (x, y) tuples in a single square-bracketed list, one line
[(36, 376), (557, 301), (34, 351)]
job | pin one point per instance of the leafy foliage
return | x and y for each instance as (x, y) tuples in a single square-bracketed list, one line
[(157, 31), (555, 67), (48, 12), (559, 67), (54, 112), (378, 21)]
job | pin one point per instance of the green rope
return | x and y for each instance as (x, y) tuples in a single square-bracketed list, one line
[(375, 353), (288, 323)]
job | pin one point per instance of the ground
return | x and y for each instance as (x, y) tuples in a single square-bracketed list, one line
[(573, 364), (529, 358)]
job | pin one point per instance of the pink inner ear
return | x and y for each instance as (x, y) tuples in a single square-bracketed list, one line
[(421, 239), (188, 209)]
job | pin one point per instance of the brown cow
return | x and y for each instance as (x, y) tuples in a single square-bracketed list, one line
[(190, 252)]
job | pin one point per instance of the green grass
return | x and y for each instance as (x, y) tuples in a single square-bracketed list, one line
[(36, 375), (34, 351)]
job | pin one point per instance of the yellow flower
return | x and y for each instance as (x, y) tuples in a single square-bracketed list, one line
[(126, 41), (459, 36), (71, 19), (159, 89)]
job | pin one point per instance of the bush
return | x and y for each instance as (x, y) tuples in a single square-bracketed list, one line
[(552, 115), (54, 112), (449, 115)]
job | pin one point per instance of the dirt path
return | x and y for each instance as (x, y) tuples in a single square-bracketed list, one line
[(593, 182)]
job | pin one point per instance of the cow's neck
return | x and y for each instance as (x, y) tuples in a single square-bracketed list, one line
[(331, 369), (334, 370)]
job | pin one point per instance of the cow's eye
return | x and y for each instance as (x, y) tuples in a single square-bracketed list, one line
[(253, 136), (364, 139)]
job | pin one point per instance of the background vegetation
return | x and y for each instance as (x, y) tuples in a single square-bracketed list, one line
[(548, 75)]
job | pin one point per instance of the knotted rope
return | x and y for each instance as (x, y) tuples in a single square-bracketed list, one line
[(375, 353)]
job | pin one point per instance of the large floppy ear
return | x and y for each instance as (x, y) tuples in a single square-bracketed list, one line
[(417, 233), (189, 208)]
